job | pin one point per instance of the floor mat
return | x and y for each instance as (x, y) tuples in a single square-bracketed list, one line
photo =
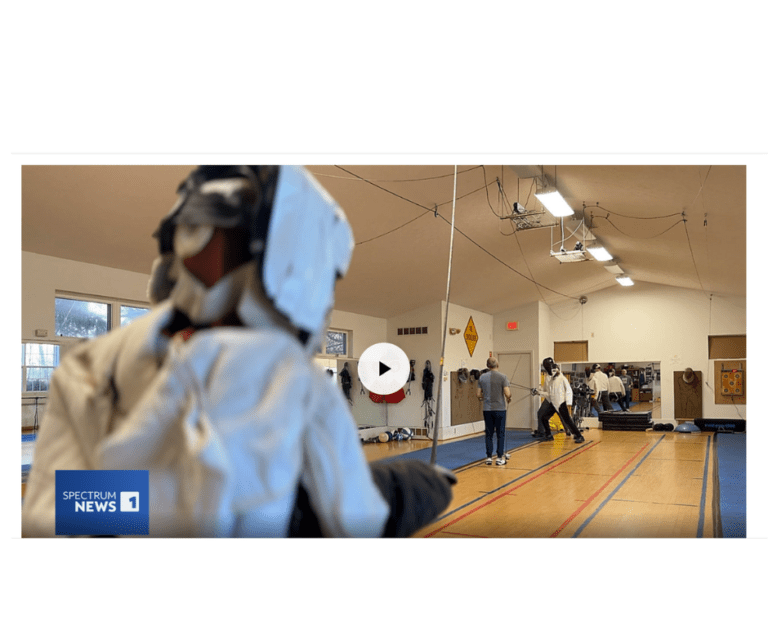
[(732, 475), (459, 453)]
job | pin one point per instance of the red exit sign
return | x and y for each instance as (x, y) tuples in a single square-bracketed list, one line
[(511, 326)]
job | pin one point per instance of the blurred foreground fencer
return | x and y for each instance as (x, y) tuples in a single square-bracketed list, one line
[(215, 391)]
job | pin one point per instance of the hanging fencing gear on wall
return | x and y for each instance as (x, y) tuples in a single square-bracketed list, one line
[(346, 382), (427, 383), (412, 375), (427, 380)]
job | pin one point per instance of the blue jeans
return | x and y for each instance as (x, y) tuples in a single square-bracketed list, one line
[(495, 422)]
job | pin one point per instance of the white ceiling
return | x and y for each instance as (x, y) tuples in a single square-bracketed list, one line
[(106, 215)]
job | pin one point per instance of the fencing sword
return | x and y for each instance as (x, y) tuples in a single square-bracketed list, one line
[(438, 402)]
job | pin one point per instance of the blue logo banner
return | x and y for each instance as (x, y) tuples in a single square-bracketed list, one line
[(102, 502)]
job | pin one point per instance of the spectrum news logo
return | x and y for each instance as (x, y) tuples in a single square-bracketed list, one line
[(102, 502)]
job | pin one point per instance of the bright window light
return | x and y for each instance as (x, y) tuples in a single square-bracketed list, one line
[(554, 202), (625, 280), (600, 254)]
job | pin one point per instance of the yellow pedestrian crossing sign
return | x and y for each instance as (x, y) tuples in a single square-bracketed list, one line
[(470, 336)]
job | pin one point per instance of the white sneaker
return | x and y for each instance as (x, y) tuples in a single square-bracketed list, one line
[(501, 461), (489, 461)]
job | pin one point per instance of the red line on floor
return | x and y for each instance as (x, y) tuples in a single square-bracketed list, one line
[(517, 487), (471, 536), (591, 498)]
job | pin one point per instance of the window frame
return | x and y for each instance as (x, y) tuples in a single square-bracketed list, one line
[(348, 342), (25, 367), (113, 316), (66, 341)]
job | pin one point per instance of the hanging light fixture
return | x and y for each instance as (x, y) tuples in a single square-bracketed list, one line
[(599, 253), (553, 201)]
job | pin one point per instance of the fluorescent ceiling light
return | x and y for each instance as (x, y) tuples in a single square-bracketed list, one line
[(600, 254), (625, 280), (554, 202), (614, 268)]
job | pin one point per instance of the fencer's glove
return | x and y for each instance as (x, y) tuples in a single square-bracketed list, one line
[(448, 474), (416, 493)]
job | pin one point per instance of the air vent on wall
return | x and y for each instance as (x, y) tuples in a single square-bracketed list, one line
[(417, 330)]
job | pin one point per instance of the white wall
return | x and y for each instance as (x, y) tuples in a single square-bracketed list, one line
[(409, 412), (636, 324), (457, 357), (646, 323), (366, 330), (42, 276)]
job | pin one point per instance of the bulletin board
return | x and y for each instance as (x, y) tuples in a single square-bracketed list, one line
[(730, 380), (466, 407), (688, 396)]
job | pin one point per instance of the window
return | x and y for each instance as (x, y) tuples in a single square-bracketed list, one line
[(130, 313), (336, 343), (82, 317), (38, 361)]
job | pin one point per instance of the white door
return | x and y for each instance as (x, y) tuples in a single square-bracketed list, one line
[(517, 367)]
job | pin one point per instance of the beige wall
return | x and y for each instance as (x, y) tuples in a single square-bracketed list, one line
[(42, 276), (645, 323)]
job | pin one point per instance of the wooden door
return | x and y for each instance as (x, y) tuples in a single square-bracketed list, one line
[(517, 368)]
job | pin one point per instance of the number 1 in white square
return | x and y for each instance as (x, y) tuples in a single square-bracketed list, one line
[(129, 501)]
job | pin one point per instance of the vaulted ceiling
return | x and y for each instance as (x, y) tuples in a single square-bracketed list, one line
[(683, 226)]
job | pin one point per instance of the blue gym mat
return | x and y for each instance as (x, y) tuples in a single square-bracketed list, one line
[(459, 453), (732, 474)]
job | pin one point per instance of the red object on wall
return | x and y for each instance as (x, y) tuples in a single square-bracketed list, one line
[(390, 398), (395, 397), (511, 326)]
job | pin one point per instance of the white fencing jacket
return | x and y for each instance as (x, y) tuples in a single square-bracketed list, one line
[(557, 390), (228, 424), (598, 382), (615, 386)]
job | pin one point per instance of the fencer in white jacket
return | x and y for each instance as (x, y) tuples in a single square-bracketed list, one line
[(215, 391), (558, 395)]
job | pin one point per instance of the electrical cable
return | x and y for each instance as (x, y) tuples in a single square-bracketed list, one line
[(438, 417), (355, 178), (463, 234), (393, 230), (437, 214), (519, 245), (690, 248), (636, 236), (617, 214), (426, 209)]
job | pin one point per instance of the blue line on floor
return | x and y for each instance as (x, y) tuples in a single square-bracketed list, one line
[(700, 528), (501, 487), (611, 495)]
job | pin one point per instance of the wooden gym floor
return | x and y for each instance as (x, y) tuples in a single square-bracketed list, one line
[(635, 484)]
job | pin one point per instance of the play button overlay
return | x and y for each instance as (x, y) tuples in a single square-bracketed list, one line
[(383, 368)]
